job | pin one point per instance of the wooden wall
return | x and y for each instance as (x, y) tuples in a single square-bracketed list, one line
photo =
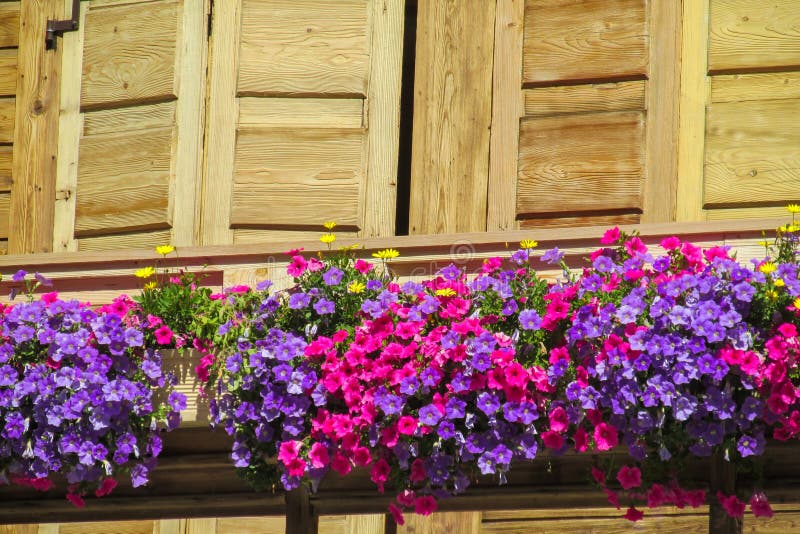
[(9, 44)]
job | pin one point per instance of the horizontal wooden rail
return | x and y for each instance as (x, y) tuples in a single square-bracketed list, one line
[(100, 276)]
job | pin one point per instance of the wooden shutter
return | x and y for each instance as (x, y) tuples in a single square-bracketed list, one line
[(303, 117), (583, 127), (129, 157), (740, 109)]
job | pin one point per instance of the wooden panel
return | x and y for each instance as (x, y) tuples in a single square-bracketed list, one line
[(36, 134), (752, 154), (8, 110), (741, 87), (304, 46), (129, 53), (5, 208), (123, 182), (753, 34), (732, 214), (622, 96), (383, 118), (297, 178), (6, 153), (452, 116), (9, 24), (118, 527), (8, 72), (129, 119), (507, 108), (135, 240), (581, 163), (588, 40), (442, 523), (587, 220), (205, 525), (244, 236), (692, 111), (298, 112), (651, 523), (251, 525)]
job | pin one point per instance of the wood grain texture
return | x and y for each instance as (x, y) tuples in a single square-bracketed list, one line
[(6, 155), (379, 204), (36, 132), (8, 71), (586, 220), (243, 236), (69, 127), (753, 34), (589, 40), (752, 154), (663, 96), (119, 527), (191, 64), (689, 524), (123, 182), (506, 112), (297, 178), (129, 53), (5, 207), (9, 24), (742, 87), (133, 240), (301, 112), (304, 46), (222, 113), (251, 525), (692, 111), (442, 523), (128, 119), (204, 525), (452, 116), (8, 111), (588, 98), (580, 163)]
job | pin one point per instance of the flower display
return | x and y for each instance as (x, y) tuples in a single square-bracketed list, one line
[(77, 398)]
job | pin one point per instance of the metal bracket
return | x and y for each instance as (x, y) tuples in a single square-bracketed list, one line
[(57, 28)]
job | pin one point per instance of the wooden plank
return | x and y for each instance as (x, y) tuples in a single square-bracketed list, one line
[(9, 24), (69, 127), (746, 213), (255, 112), (8, 111), (379, 205), (581, 163), (6, 155), (222, 113), (129, 119), (36, 133), (742, 87), (672, 525), (306, 47), (442, 523), (584, 41), (243, 236), (692, 111), (119, 527), (141, 240), (129, 53), (5, 208), (609, 511), (251, 525), (559, 100), (752, 154), (663, 93), (170, 526), (8, 71), (450, 162), (19, 529), (296, 177), (123, 182), (586, 220), (753, 34), (185, 190), (201, 526), (506, 112)]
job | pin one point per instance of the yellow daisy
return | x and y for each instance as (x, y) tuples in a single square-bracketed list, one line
[(386, 254), (528, 244), (145, 272), (767, 267), (771, 294), (793, 208), (779, 282), (445, 292), (328, 238), (150, 285), (329, 225), (796, 303), (356, 287), (165, 249)]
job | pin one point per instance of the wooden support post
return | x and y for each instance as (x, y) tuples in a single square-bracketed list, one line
[(33, 191), (723, 478), (300, 518)]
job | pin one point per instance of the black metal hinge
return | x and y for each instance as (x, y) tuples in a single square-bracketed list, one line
[(57, 28)]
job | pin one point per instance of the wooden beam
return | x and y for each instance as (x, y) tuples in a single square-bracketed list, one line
[(36, 135), (300, 518), (663, 89)]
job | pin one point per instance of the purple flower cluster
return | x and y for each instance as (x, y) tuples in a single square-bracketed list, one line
[(76, 397)]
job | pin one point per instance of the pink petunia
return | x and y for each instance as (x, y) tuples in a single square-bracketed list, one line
[(106, 487), (599, 476), (76, 500), (319, 455), (380, 473), (163, 335), (760, 506), (610, 236), (425, 505), (406, 425), (559, 421), (581, 439), (605, 436), (732, 505), (397, 515), (552, 440), (629, 477), (363, 266), (633, 514), (418, 473), (670, 243), (297, 267)]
